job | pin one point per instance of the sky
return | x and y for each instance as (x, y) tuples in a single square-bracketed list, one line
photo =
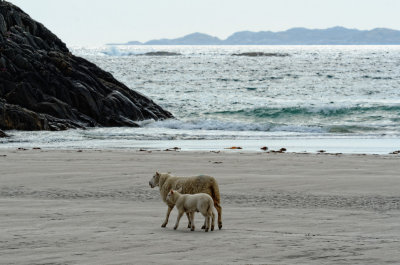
[(97, 22)]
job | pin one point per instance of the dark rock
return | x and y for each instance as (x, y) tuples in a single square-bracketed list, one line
[(162, 53), (3, 134), (259, 54), (19, 118), (44, 87)]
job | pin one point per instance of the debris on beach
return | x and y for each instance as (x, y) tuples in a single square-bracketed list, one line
[(264, 148), (282, 150), (172, 149), (22, 149), (395, 152), (234, 147)]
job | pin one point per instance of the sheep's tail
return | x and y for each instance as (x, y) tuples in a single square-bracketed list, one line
[(215, 193)]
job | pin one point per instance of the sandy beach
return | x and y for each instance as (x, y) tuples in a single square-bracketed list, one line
[(96, 207)]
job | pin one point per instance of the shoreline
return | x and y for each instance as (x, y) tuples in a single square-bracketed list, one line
[(175, 149), (381, 146)]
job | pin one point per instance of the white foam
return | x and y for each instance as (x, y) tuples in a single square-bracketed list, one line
[(209, 124)]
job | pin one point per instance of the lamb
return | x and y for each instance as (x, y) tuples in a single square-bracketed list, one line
[(191, 203), (189, 185)]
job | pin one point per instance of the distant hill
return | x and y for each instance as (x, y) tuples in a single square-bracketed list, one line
[(191, 39), (294, 36)]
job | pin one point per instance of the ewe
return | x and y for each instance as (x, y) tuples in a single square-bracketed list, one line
[(189, 185)]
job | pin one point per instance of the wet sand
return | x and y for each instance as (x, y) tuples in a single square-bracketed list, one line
[(96, 207)]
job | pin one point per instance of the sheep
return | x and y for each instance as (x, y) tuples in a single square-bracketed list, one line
[(190, 185), (191, 203)]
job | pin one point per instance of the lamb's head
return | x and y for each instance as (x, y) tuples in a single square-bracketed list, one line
[(155, 181), (170, 197), (173, 195)]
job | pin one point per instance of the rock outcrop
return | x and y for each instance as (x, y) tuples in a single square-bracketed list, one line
[(260, 54), (45, 87), (162, 53), (3, 134)]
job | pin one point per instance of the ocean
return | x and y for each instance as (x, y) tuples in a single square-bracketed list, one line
[(341, 99)]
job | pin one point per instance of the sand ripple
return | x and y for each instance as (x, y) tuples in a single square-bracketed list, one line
[(276, 199)]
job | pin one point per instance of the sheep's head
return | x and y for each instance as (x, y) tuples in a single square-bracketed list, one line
[(154, 182), (172, 194)]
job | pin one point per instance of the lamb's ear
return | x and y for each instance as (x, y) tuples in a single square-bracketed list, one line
[(172, 191), (157, 174)]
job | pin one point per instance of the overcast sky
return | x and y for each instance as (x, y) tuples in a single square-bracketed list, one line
[(96, 22)]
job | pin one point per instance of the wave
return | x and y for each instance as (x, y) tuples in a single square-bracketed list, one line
[(217, 125), (114, 51), (267, 112), (209, 124)]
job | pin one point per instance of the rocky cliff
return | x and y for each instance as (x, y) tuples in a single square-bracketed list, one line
[(45, 87)]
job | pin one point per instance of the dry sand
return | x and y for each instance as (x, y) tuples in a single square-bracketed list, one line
[(96, 207)]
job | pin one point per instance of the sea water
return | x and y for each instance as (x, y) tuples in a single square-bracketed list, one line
[(336, 98)]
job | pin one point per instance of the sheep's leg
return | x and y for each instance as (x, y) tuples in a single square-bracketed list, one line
[(177, 219), (192, 221), (189, 223), (219, 210), (212, 220), (167, 216)]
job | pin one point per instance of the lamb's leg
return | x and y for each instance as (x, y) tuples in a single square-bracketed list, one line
[(167, 216), (177, 219), (189, 223), (204, 225), (207, 221)]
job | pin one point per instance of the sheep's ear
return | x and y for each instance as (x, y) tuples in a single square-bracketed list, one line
[(172, 192), (157, 174)]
